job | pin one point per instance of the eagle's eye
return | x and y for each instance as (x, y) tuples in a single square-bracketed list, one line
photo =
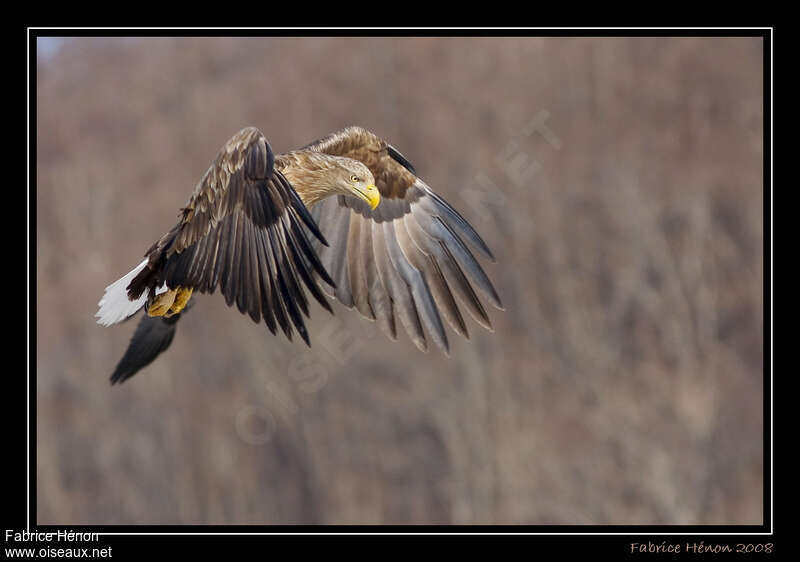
[(354, 179)]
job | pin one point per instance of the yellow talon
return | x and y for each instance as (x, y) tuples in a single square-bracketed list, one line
[(181, 299), (169, 303), (162, 303)]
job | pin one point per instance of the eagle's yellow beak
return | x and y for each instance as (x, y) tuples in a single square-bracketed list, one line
[(371, 195)]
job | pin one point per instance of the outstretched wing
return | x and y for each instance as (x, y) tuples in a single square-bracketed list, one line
[(407, 257), (242, 231)]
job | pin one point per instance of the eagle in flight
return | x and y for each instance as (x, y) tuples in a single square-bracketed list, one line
[(345, 215)]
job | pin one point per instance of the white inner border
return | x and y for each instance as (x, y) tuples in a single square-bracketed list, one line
[(421, 29)]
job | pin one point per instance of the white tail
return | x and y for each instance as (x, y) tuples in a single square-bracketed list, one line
[(115, 305)]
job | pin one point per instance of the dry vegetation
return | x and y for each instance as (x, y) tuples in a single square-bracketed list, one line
[(623, 383)]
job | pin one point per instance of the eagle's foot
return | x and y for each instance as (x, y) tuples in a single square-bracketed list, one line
[(170, 303), (162, 303), (181, 298)]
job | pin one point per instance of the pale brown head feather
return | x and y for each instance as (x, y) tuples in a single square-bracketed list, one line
[(316, 176)]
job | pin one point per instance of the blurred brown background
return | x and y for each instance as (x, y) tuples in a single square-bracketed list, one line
[(619, 183)]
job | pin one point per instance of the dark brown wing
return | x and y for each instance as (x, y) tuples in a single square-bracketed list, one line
[(241, 230), (152, 337), (407, 257)]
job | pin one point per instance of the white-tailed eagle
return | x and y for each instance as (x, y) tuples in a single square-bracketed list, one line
[(345, 215)]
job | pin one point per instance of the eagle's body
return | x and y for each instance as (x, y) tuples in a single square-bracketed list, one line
[(346, 215)]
